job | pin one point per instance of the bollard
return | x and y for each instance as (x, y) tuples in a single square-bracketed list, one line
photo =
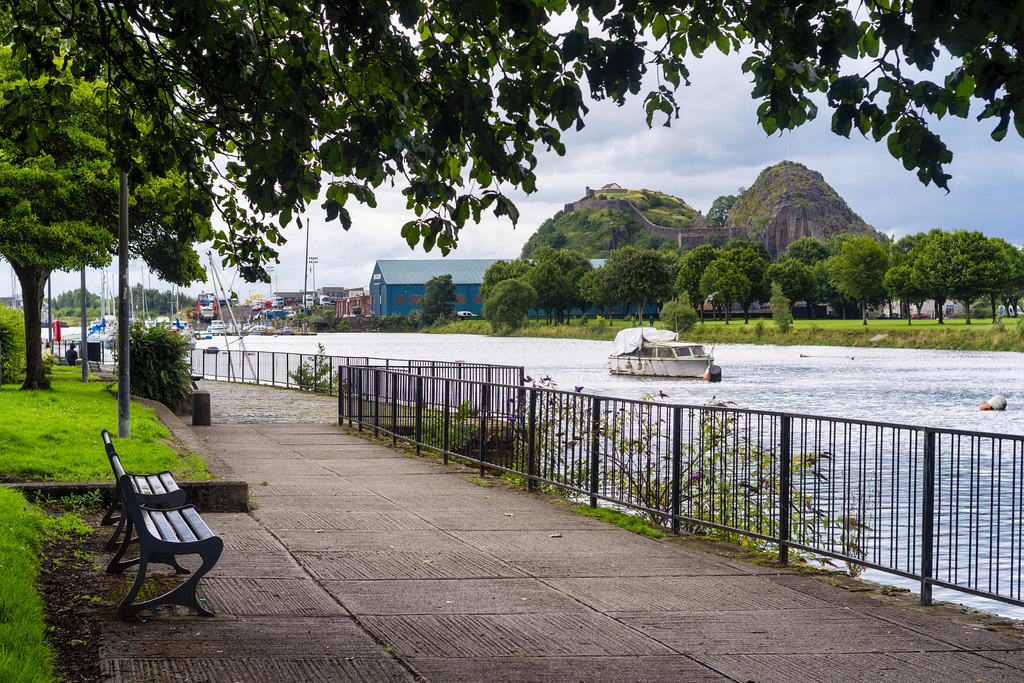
[(201, 408)]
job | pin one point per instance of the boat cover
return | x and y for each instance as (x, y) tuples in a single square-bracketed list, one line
[(629, 340)]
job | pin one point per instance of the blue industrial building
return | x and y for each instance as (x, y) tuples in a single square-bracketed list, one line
[(396, 287)]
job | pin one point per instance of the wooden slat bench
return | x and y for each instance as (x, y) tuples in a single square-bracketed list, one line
[(161, 535), (152, 490)]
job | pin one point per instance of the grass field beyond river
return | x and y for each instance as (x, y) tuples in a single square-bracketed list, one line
[(980, 335)]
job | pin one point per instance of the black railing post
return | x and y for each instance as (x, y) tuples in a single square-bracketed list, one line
[(595, 449), (273, 367), (394, 409), (677, 467), (341, 406), (928, 518), (419, 411), (376, 400), (485, 399), (785, 484), (446, 439), (531, 467)]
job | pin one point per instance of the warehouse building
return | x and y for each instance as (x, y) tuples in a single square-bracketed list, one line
[(396, 286)]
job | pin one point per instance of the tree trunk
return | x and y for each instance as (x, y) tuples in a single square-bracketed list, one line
[(33, 284), (967, 312), (746, 313), (864, 311), (939, 305)]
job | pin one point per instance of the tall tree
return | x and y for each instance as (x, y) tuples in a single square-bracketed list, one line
[(808, 250), (59, 202), (438, 300), (796, 281), (859, 271), (691, 270), (754, 267), (959, 265), (499, 271), (311, 101), (723, 283), (645, 277), (720, 208), (508, 303), (555, 277)]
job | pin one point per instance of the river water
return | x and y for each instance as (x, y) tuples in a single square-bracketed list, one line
[(912, 387), (908, 386)]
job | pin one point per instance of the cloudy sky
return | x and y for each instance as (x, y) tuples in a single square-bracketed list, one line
[(714, 148)]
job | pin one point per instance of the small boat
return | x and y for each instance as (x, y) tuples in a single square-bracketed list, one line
[(648, 352), (261, 328)]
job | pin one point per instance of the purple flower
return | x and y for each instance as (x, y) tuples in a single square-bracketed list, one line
[(696, 477), (511, 400), (529, 379), (511, 419), (545, 378), (579, 389)]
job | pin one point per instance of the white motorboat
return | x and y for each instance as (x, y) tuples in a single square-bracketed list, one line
[(648, 352)]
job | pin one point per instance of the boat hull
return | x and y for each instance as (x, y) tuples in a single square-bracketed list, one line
[(658, 367)]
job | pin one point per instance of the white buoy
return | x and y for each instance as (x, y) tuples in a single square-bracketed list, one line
[(995, 403)]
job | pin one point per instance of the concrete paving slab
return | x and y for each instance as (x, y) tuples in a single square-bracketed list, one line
[(274, 430), (360, 503), (514, 545), (473, 517), (909, 667), (385, 520), (244, 637), (528, 635), (278, 470), (700, 593), (593, 669), (384, 565), (818, 631), (257, 670), (257, 564), (462, 596), (296, 491), (356, 467), (267, 596), (293, 439), (360, 451), (422, 542), (624, 565)]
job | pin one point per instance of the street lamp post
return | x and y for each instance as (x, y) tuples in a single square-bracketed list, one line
[(312, 264)]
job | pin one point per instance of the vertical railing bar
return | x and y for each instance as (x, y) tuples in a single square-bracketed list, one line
[(927, 517), (595, 449), (785, 481)]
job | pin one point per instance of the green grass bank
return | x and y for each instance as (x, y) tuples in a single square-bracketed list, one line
[(980, 335), (55, 436)]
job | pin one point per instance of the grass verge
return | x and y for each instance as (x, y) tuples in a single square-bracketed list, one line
[(25, 654), (954, 334), (55, 435)]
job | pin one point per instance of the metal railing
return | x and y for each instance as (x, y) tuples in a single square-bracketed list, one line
[(316, 372), (943, 507)]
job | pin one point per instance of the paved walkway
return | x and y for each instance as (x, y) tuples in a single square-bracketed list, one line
[(361, 564)]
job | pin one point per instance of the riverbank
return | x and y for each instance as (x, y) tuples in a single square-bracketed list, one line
[(980, 335)]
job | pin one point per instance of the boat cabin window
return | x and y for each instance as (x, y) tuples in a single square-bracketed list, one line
[(683, 351), (665, 353), (646, 352), (697, 350)]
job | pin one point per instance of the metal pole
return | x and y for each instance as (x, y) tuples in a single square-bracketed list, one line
[(677, 467), (785, 485), (928, 518), (84, 336), (124, 429), (49, 307), (595, 450)]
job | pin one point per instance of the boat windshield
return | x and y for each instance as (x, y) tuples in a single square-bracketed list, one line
[(665, 353), (697, 350), (683, 351), (646, 352)]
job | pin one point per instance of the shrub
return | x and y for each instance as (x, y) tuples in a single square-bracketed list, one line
[(12, 344), (160, 370), (780, 309), (678, 315)]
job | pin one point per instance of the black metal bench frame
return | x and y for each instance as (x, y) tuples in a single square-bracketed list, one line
[(161, 536), (151, 490)]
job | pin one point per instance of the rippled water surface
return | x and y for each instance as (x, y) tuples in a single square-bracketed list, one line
[(917, 387)]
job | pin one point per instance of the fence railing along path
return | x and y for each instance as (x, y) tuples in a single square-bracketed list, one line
[(942, 507)]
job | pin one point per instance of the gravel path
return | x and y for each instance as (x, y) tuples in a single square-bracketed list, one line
[(232, 403)]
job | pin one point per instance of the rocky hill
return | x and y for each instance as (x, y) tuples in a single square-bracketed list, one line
[(789, 201)]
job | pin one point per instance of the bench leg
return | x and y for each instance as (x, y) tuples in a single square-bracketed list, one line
[(184, 595), (116, 566)]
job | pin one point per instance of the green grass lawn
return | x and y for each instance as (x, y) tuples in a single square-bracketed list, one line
[(25, 655), (55, 435), (980, 335)]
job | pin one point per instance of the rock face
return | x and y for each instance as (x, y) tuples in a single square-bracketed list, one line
[(789, 201)]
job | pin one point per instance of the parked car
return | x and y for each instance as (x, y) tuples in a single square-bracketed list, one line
[(920, 316), (464, 315)]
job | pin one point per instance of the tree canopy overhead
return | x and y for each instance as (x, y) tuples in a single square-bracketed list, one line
[(274, 106)]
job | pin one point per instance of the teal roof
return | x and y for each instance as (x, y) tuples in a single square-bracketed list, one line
[(410, 272)]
